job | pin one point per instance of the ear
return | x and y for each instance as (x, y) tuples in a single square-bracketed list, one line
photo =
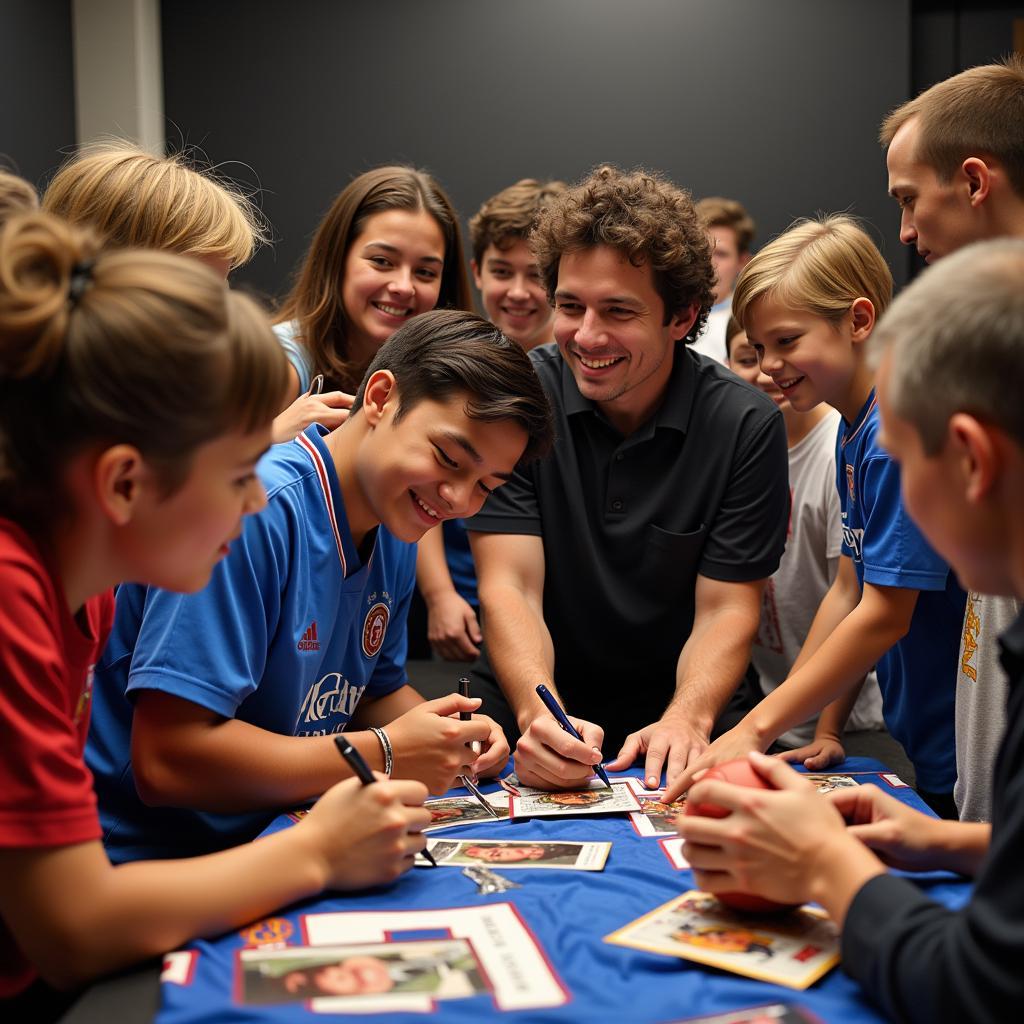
[(381, 394), (862, 317), (979, 179), (475, 269), (119, 477), (976, 453), (683, 320)]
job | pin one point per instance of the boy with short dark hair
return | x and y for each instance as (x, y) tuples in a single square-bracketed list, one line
[(949, 386), (514, 300), (213, 709)]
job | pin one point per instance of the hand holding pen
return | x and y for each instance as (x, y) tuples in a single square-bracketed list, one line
[(362, 772), (560, 717)]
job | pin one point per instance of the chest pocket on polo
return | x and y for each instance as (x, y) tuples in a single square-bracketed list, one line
[(669, 562)]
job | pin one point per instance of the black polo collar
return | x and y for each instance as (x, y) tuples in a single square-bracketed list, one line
[(674, 411)]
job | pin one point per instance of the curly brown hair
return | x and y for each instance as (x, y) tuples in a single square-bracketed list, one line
[(648, 219)]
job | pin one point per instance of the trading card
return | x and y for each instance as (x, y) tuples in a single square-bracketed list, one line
[(776, 1013), (602, 800), (450, 811), (826, 783), (654, 817), (794, 948), (442, 969), (518, 853), (894, 780), (673, 849), (518, 971)]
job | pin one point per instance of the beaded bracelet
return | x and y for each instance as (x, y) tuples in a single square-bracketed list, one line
[(385, 743)]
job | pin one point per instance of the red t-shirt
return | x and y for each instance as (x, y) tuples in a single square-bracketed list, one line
[(46, 662)]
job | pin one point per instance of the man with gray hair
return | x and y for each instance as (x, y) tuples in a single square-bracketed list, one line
[(956, 167), (951, 373)]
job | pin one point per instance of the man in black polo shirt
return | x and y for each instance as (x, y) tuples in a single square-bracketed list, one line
[(625, 571)]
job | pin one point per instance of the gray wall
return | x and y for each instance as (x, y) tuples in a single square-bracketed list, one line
[(37, 113), (774, 103)]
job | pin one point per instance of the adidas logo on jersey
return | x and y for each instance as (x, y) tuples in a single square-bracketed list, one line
[(309, 641)]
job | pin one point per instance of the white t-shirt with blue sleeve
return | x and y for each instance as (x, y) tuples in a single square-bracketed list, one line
[(291, 632)]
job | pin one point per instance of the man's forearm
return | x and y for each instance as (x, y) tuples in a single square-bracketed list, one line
[(711, 664), (519, 648)]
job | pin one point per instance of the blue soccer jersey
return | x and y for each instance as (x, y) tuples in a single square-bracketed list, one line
[(917, 676), (292, 631)]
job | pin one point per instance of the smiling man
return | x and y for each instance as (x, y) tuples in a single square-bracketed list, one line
[(956, 167), (215, 710), (625, 571)]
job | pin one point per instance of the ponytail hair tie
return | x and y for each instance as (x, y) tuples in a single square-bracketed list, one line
[(81, 278)]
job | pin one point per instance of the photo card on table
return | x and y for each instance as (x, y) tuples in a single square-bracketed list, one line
[(517, 969), (449, 811), (620, 799), (360, 977), (773, 1013), (792, 948), (518, 853)]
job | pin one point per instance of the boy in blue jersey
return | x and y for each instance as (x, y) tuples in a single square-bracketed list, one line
[(213, 709), (949, 385), (808, 301)]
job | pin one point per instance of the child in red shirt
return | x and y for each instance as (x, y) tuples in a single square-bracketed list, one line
[(136, 395)]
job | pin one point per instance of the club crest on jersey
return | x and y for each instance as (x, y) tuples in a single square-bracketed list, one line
[(375, 625), (273, 931), (849, 483)]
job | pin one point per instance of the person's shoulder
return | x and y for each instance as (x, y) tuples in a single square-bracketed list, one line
[(717, 386), (22, 567), (547, 362), (285, 468)]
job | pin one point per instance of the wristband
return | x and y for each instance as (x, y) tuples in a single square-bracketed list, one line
[(385, 743)]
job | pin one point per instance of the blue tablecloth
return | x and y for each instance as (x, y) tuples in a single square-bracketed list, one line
[(570, 913)]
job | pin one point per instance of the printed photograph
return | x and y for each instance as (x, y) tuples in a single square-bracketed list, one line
[(442, 969), (792, 949), (826, 783), (776, 1013), (620, 798), (654, 817), (518, 854), (462, 810)]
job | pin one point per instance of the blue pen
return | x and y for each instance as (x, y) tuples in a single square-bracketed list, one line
[(552, 705)]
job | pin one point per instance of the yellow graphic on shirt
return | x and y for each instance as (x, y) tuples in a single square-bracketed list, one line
[(972, 630)]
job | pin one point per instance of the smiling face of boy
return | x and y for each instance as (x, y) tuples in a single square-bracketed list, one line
[(513, 293), (433, 462)]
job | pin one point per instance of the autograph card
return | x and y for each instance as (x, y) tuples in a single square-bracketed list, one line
[(826, 783), (518, 972), (602, 800), (450, 811), (377, 976), (793, 949), (673, 849), (776, 1013), (654, 817), (525, 853)]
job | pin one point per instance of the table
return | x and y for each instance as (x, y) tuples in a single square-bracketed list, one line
[(569, 913)]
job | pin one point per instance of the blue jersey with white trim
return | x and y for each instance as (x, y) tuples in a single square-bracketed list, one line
[(292, 631), (917, 676)]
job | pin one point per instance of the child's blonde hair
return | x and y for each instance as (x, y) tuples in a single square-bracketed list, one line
[(135, 199), (820, 266), (110, 347), (16, 196)]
